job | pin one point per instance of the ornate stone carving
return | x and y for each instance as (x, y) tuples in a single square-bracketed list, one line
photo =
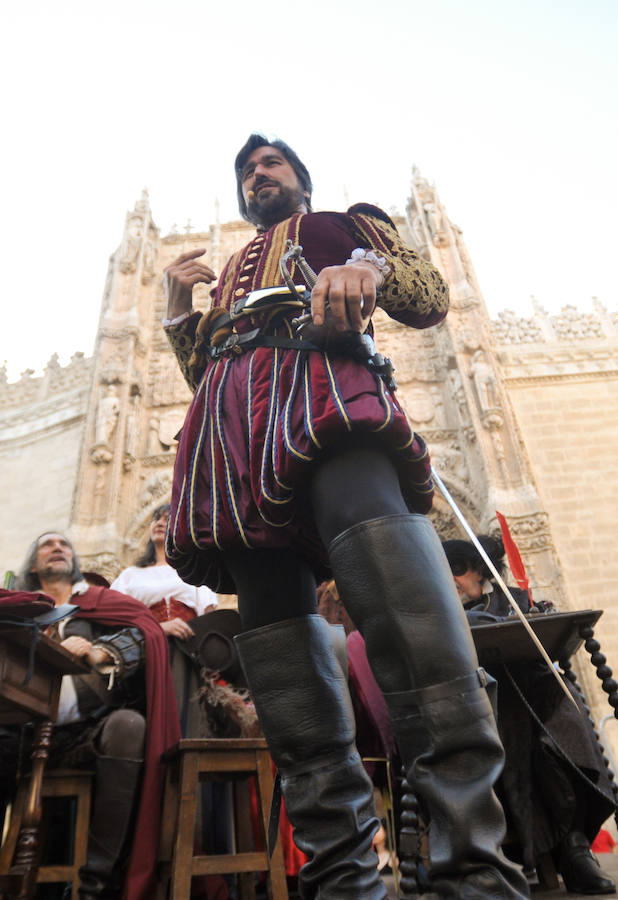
[(154, 444), (450, 461), (166, 386), (492, 420), (107, 416), (105, 564), (572, 325), (163, 460), (509, 328), (459, 395), (485, 382), (130, 434), (170, 423), (100, 454), (445, 523), (531, 532), (156, 487), (439, 416), (419, 405)]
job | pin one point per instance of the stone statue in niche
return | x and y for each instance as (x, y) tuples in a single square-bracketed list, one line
[(130, 434), (154, 442), (107, 415), (484, 380)]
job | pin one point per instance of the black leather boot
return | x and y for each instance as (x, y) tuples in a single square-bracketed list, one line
[(580, 869), (398, 588), (302, 701), (117, 782)]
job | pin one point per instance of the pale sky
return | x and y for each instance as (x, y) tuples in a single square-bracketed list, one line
[(509, 108)]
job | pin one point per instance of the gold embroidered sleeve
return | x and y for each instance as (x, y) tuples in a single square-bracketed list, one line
[(182, 340), (414, 291)]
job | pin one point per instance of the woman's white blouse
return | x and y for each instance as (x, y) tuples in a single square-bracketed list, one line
[(156, 583)]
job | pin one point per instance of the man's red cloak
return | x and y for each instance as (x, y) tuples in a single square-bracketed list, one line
[(162, 726)]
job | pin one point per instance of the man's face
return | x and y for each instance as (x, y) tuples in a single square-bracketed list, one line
[(54, 558), (270, 187), (469, 584)]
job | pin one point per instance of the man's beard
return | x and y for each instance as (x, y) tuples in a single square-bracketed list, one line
[(270, 207), (56, 573)]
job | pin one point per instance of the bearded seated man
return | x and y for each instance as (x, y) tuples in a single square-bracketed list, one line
[(552, 804), (116, 720)]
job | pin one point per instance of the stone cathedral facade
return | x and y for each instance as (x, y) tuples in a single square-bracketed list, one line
[(521, 415)]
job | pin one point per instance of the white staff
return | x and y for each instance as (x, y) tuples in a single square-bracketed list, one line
[(498, 577)]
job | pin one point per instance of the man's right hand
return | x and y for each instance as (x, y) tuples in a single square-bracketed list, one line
[(179, 279)]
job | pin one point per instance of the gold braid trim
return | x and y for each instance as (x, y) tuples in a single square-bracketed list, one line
[(413, 283)]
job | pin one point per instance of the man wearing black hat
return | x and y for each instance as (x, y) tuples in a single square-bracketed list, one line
[(553, 805), (295, 462)]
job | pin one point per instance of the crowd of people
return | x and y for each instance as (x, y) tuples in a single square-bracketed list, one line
[(297, 464)]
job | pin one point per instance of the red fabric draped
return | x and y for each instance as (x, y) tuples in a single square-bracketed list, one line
[(163, 730)]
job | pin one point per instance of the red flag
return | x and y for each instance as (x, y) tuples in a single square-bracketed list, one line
[(512, 554)]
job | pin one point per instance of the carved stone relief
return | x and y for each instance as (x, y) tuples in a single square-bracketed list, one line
[(107, 415), (484, 381), (155, 487), (130, 434), (162, 430), (105, 564), (166, 385), (449, 461), (571, 325), (170, 423), (459, 395), (154, 442), (509, 328), (419, 405)]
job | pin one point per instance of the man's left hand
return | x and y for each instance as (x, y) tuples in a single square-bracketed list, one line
[(351, 293)]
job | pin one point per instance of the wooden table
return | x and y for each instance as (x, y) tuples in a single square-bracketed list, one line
[(561, 634), (509, 642), (24, 702)]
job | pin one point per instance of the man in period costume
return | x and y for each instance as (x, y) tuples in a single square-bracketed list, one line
[(296, 461), (117, 720), (555, 786)]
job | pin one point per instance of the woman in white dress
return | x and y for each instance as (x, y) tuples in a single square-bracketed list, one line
[(174, 604)]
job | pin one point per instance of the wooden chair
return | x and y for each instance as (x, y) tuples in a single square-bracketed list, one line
[(56, 783), (190, 762)]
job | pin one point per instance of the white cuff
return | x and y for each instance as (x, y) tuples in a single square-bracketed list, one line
[(177, 319)]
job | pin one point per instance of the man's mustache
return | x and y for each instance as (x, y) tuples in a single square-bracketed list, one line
[(264, 182)]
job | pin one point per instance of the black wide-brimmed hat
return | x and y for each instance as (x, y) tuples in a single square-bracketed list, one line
[(460, 550), (212, 646)]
